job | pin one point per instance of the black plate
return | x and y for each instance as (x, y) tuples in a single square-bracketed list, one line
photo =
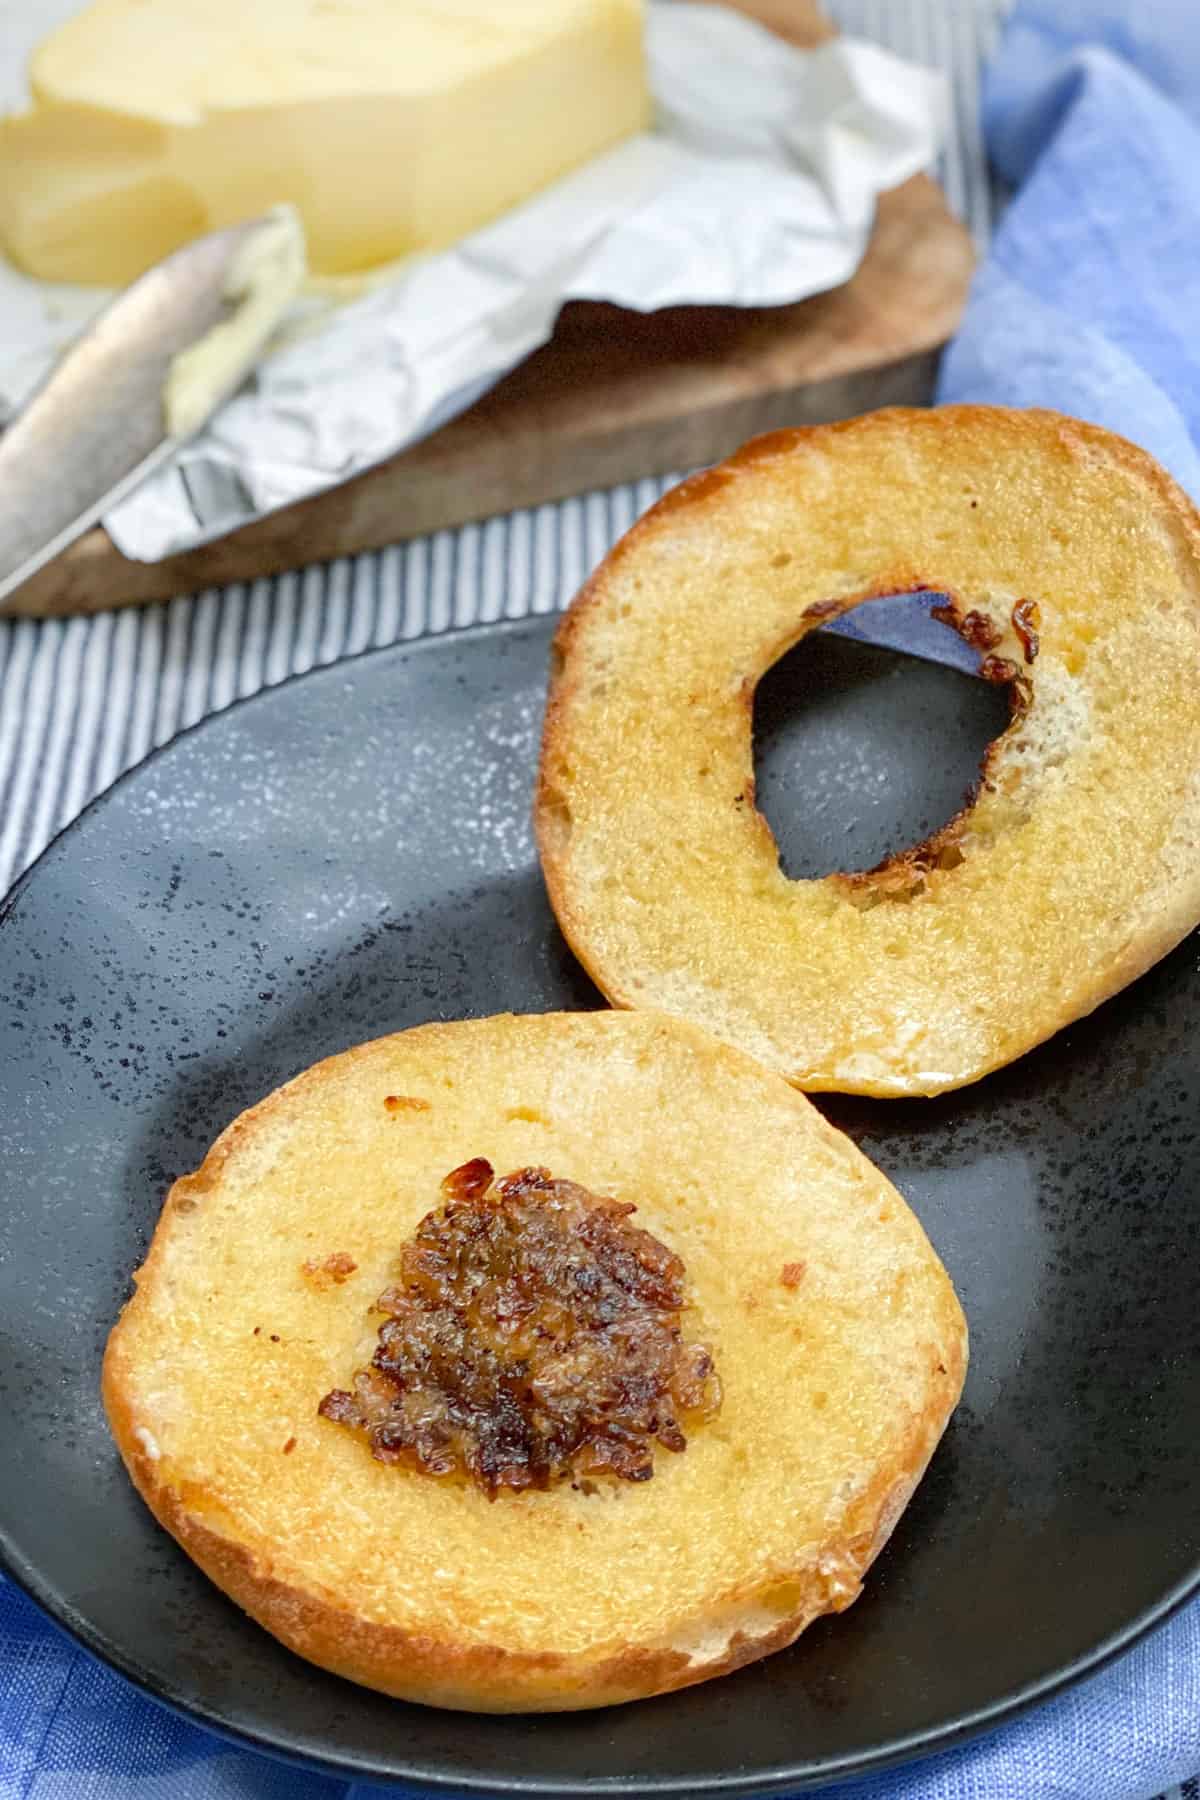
[(350, 854)]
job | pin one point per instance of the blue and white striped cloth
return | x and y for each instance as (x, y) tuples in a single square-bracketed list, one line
[(83, 699)]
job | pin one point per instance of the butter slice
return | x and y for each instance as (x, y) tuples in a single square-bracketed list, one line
[(391, 127)]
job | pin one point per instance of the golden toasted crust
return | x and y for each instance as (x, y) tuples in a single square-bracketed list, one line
[(1077, 866), (838, 1380)]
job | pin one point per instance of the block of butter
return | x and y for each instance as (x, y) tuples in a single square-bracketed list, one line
[(390, 125)]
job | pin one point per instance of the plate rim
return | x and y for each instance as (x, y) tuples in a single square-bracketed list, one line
[(909, 1747)]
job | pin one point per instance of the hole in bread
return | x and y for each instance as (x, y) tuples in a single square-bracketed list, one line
[(861, 753)]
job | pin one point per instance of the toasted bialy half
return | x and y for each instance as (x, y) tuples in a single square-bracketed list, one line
[(1073, 565), (836, 1334)]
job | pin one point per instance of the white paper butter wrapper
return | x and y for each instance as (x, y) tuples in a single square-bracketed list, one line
[(757, 188)]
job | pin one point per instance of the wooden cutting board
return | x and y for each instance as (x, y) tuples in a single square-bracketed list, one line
[(614, 395)]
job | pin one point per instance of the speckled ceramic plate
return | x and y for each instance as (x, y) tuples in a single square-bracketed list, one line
[(350, 854)]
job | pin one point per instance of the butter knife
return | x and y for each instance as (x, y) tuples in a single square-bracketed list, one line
[(144, 377)]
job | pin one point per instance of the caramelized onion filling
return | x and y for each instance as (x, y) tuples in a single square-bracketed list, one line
[(533, 1335)]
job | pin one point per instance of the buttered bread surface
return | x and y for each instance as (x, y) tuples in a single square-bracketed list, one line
[(838, 1341)]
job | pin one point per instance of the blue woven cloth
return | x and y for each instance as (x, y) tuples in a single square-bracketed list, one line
[(1089, 302), (1090, 297)]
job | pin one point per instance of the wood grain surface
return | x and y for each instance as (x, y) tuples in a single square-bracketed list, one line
[(614, 395)]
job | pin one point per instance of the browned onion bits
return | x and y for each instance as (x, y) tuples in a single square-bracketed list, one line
[(534, 1335)]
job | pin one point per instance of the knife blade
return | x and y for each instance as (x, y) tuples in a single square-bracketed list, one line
[(146, 375)]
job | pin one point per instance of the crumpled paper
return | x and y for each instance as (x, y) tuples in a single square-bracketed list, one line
[(757, 188)]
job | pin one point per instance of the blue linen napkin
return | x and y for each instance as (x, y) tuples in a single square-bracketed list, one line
[(1090, 297), (1089, 302)]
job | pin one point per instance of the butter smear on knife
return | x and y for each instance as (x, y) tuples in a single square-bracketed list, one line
[(391, 126), (263, 278)]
